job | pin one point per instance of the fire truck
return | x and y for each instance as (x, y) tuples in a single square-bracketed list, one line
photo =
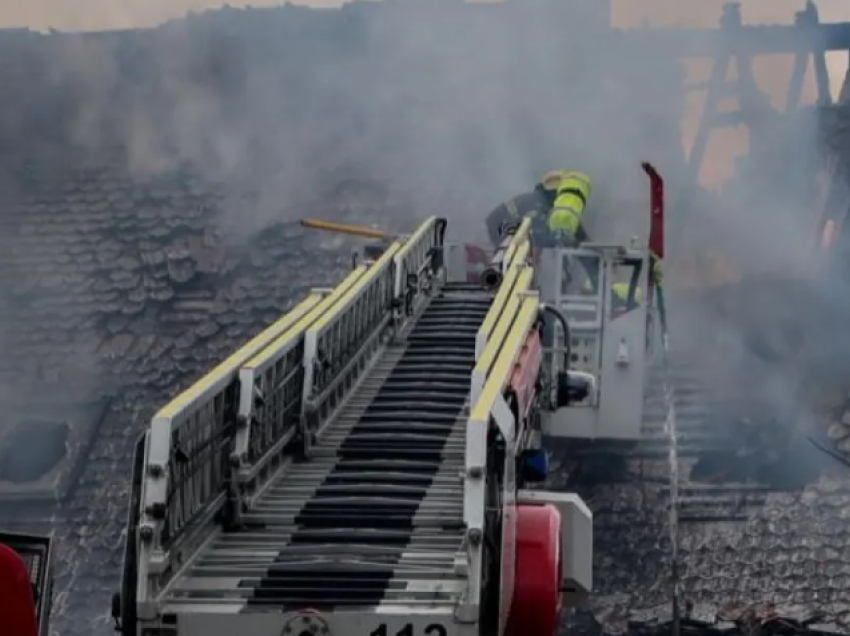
[(374, 463), (26, 584)]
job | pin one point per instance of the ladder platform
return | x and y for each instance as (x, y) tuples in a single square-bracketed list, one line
[(375, 517)]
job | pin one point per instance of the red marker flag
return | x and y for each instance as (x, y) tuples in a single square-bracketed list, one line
[(656, 210)]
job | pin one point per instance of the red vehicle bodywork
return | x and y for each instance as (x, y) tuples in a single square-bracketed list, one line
[(17, 606)]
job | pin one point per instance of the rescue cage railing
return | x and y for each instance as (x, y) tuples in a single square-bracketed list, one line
[(503, 383), (217, 443)]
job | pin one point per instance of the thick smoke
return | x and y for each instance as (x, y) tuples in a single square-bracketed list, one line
[(773, 337), (388, 113), (451, 107), (437, 107), (430, 107)]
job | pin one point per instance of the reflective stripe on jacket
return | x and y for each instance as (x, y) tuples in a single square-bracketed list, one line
[(570, 200), (656, 269)]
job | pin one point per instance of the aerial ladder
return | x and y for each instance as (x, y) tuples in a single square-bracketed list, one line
[(372, 463)]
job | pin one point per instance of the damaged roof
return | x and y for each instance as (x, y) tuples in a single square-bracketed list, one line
[(763, 490), (137, 249), (122, 288)]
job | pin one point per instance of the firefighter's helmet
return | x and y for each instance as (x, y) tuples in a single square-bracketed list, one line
[(551, 179)]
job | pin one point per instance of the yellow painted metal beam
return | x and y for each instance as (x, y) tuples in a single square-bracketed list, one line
[(505, 290), (521, 235), (427, 226), (228, 369), (500, 301), (506, 318), (502, 370), (307, 321), (341, 302)]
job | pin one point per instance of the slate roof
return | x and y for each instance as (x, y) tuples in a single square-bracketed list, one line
[(763, 532), (104, 272), (763, 510), (118, 286), (149, 183), (788, 554)]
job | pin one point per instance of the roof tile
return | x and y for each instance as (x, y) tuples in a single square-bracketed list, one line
[(126, 252)]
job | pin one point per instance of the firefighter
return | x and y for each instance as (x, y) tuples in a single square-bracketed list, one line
[(565, 219), (620, 291), (620, 297), (536, 204), (656, 269)]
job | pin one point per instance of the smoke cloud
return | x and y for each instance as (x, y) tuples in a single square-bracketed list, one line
[(448, 110), (386, 113)]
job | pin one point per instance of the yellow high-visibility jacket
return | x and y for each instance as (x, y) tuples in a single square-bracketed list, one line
[(620, 294), (570, 200), (656, 269)]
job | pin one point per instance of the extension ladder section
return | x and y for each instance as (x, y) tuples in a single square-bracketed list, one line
[(374, 517)]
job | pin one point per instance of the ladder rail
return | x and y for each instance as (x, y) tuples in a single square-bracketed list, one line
[(337, 515), (520, 318), (215, 445)]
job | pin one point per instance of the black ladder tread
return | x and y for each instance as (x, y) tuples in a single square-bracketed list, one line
[(384, 466)]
